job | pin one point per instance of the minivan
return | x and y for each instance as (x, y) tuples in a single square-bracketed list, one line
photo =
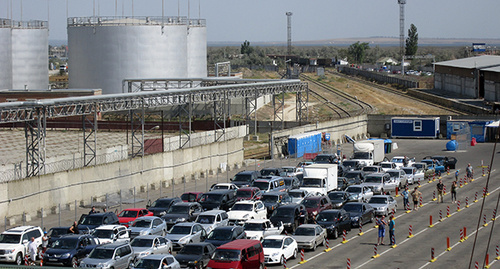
[(241, 253)]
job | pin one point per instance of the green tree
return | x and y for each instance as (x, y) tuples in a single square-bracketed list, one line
[(357, 52), (412, 41), (246, 48)]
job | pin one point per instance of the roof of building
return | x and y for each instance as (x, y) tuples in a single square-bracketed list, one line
[(492, 69), (479, 62)]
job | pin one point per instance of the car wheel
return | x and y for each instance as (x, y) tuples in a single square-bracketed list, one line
[(295, 253), (261, 266), (335, 233), (19, 259), (314, 246), (74, 262), (371, 218), (282, 260)]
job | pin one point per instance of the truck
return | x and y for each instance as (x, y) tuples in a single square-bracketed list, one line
[(368, 152), (320, 178)]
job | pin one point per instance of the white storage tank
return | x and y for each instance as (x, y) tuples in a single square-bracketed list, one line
[(103, 51), (197, 49), (5, 54), (30, 54)]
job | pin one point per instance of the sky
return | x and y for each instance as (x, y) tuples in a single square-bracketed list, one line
[(265, 20)]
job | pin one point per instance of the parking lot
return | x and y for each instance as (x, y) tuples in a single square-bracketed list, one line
[(414, 252)]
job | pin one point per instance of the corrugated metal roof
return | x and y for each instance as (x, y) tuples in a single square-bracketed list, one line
[(478, 62), (492, 69)]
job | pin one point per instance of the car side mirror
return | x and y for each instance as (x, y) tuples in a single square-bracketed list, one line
[(117, 257), (25, 241)]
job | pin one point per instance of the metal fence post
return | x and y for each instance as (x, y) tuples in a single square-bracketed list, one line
[(195, 184), (147, 192), (120, 193), (59, 214), (134, 196), (173, 186), (184, 181), (24, 218), (5, 219), (41, 218), (106, 205), (161, 183), (75, 211)]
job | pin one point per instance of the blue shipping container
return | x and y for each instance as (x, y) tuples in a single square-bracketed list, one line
[(477, 128), (304, 143), (414, 127)]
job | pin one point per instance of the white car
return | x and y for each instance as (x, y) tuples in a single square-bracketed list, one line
[(399, 160), (212, 219), (157, 262), (292, 171), (14, 242), (150, 244), (223, 186), (257, 229), (388, 166), (398, 178), (277, 248), (186, 232), (413, 174), (112, 233), (246, 210)]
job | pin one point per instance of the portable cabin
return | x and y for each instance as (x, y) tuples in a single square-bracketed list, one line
[(414, 127), (304, 143), (477, 128)]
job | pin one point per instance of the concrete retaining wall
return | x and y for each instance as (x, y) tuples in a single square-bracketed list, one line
[(47, 191), (421, 94)]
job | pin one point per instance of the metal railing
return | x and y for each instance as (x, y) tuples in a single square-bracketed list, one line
[(119, 20)]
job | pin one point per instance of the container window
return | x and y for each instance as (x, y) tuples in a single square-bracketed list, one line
[(417, 125), (456, 127)]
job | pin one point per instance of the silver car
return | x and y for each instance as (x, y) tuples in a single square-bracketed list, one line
[(359, 193), (149, 225), (185, 233), (150, 244), (212, 219), (383, 204), (310, 236), (398, 178), (157, 262), (114, 255)]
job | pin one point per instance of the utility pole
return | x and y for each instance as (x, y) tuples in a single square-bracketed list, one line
[(402, 33)]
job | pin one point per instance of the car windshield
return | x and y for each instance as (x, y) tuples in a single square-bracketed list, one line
[(147, 264), (10, 238), (369, 179), (269, 172), (141, 242), (192, 250), (205, 219), (220, 187), (242, 178), (64, 243), (178, 209), (296, 194), (386, 165), (190, 197), (219, 235), (270, 198), (253, 226), (310, 203), (351, 175), (408, 171), (326, 216), (288, 169), (394, 173), (370, 169), (211, 198), (54, 232), (101, 233), (101, 253), (272, 243), (351, 189), (282, 212), (92, 220), (322, 159), (361, 155), (177, 229), (142, 223), (242, 207), (336, 196), (304, 231), (226, 255), (262, 185), (352, 207), (397, 160), (128, 214), (161, 203), (378, 200), (288, 181), (312, 182), (244, 194), (349, 163)]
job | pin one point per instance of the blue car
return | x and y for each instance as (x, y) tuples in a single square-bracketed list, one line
[(68, 250), (437, 165)]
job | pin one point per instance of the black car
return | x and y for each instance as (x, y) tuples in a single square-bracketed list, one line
[(69, 249), (218, 199), (352, 165), (291, 216), (270, 172), (446, 161), (225, 234), (182, 212), (326, 158), (56, 232), (338, 198), (335, 221), (90, 222), (195, 255), (275, 199), (342, 183), (245, 178), (355, 177), (292, 182), (161, 205), (360, 213)]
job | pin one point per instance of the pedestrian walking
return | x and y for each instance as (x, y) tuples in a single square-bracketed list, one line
[(456, 174), (405, 161), (405, 195), (32, 250), (454, 192), (469, 171), (440, 189), (45, 241), (381, 230), (392, 225), (415, 195)]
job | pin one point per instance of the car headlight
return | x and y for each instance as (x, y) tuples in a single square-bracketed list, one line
[(180, 219), (275, 254), (144, 253), (82, 263), (331, 227), (163, 213), (246, 216), (183, 240), (65, 256), (355, 218), (315, 212), (143, 232), (254, 237)]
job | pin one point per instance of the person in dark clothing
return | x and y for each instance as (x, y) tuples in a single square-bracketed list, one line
[(74, 228), (92, 211)]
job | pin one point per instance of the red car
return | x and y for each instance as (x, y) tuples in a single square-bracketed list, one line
[(248, 193), (192, 196), (316, 204), (130, 214)]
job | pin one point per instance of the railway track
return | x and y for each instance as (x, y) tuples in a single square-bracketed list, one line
[(394, 91), (341, 97)]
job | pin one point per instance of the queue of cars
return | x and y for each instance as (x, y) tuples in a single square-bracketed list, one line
[(261, 217)]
